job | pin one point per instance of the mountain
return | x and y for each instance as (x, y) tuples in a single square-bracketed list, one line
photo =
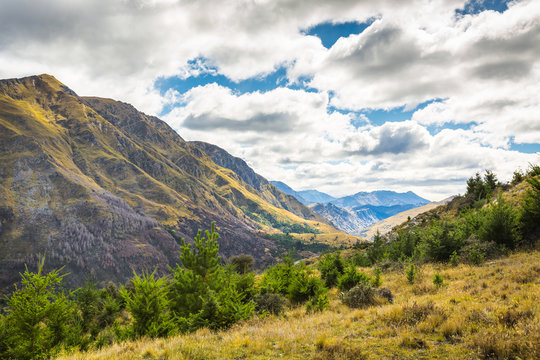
[(345, 219), (387, 225), (268, 191), (106, 190), (314, 196), (289, 191), (306, 197), (381, 198)]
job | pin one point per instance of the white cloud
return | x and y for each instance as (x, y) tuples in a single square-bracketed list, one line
[(485, 67)]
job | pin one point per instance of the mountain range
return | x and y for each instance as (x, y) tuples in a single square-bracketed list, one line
[(105, 190), (354, 213)]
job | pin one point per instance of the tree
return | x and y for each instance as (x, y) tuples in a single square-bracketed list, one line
[(148, 304), (38, 315), (501, 225), (530, 208), (331, 267)]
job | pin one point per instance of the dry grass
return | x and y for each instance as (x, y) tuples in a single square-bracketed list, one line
[(486, 312)]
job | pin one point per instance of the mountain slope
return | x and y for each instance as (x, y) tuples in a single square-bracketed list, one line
[(104, 189), (289, 191), (315, 196), (268, 191)]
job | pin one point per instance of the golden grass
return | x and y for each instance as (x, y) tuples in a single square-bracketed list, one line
[(490, 311)]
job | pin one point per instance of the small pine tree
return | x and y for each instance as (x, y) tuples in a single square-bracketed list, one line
[(454, 259), (411, 274), (530, 208), (148, 304), (501, 225), (38, 315), (438, 280), (377, 280)]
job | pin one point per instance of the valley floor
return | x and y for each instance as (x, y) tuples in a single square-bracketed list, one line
[(487, 311)]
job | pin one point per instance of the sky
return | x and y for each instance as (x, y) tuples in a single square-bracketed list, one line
[(340, 96)]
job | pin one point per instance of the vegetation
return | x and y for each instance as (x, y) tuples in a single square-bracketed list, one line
[(441, 302)]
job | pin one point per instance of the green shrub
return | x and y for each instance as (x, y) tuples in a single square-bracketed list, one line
[(501, 225), (331, 267), (351, 277), (377, 280), (319, 302), (242, 263), (38, 316), (361, 295), (148, 304), (411, 273), (438, 280), (441, 239), (454, 259), (303, 287), (271, 303), (530, 209)]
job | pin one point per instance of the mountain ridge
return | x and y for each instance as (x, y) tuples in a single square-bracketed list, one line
[(107, 190)]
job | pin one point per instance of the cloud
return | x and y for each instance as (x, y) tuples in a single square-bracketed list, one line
[(484, 66), (266, 123)]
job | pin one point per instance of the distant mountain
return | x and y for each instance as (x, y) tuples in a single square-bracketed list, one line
[(380, 198), (306, 197), (353, 213), (347, 220), (314, 196), (288, 190), (386, 225), (106, 190)]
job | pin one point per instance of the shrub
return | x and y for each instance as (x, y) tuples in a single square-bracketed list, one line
[(148, 304), (277, 278), (351, 278), (331, 267), (438, 280), (442, 239), (318, 302), (454, 259), (530, 210), (376, 282), (411, 274), (501, 225), (361, 295), (386, 294), (242, 263), (303, 287), (271, 303), (38, 316)]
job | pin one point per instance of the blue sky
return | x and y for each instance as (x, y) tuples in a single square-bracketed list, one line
[(337, 96)]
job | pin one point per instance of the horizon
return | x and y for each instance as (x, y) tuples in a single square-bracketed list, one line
[(340, 98)]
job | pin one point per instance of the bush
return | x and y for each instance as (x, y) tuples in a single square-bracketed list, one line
[(442, 239), (411, 274), (438, 280), (377, 280), (38, 316), (331, 267), (501, 225), (530, 210), (317, 303), (148, 304), (205, 294), (271, 303), (242, 263), (351, 278), (386, 294), (277, 278), (361, 295), (303, 287), (454, 259)]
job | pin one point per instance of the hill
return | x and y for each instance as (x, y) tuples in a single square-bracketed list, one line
[(482, 312), (104, 189)]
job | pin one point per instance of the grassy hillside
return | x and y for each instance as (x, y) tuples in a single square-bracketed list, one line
[(481, 312)]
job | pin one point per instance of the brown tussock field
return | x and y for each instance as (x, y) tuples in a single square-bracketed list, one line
[(490, 311)]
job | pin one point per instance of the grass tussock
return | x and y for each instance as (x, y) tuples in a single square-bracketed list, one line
[(490, 311)]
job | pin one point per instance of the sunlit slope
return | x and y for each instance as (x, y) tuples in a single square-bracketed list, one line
[(100, 187)]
